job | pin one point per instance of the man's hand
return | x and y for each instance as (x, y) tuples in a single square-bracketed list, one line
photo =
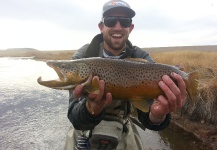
[(175, 96), (95, 102)]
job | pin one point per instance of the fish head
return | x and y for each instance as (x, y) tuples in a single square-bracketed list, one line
[(72, 72)]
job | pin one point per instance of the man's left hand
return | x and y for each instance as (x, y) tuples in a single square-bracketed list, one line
[(175, 96)]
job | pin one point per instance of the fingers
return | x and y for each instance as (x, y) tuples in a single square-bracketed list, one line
[(175, 94), (95, 102), (182, 87), (108, 99), (78, 91), (93, 97), (98, 97), (170, 91)]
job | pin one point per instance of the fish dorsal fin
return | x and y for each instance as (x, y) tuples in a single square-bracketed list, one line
[(137, 60), (141, 104), (180, 67)]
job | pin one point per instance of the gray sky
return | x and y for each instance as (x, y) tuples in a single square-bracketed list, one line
[(69, 24)]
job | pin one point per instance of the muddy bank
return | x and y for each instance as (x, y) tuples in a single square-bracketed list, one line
[(205, 135)]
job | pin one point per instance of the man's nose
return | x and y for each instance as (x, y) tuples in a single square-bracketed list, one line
[(118, 25)]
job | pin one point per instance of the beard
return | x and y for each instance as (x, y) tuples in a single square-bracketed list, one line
[(115, 45)]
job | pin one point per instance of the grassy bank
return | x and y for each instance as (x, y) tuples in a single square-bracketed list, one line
[(197, 118), (205, 106)]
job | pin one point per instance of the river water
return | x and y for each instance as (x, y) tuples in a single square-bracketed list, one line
[(35, 117)]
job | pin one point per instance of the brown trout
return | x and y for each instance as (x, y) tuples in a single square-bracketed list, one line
[(126, 79)]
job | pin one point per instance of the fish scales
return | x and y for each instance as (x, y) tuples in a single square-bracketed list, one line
[(129, 73), (125, 79)]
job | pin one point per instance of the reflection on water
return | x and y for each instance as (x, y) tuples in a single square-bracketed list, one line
[(167, 140), (34, 117), (31, 116)]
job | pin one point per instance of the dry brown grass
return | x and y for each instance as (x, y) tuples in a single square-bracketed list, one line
[(205, 107), (189, 59)]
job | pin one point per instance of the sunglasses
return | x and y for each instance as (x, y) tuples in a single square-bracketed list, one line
[(112, 21)]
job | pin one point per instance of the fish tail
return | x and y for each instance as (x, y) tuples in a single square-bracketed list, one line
[(192, 84)]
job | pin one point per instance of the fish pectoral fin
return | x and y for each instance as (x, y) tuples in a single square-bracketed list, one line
[(91, 85), (141, 104), (94, 86)]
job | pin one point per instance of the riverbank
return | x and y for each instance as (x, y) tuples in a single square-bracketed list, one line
[(205, 135)]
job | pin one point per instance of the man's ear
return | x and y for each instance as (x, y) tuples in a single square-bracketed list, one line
[(101, 25), (131, 27)]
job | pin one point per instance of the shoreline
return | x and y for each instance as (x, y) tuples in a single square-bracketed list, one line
[(205, 134)]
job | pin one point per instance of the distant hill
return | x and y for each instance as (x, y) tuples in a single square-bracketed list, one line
[(66, 54), (21, 49), (17, 52), (206, 48)]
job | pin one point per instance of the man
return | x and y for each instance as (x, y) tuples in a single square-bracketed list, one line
[(99, 121)]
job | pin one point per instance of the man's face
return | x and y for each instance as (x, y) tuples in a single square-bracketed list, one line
[(116, 36)]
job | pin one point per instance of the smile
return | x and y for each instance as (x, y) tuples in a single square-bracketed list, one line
[(116, 35)]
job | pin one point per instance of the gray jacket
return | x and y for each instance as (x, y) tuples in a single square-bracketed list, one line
[(118, 110)]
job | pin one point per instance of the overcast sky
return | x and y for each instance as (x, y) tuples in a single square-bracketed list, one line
[(69, 24)]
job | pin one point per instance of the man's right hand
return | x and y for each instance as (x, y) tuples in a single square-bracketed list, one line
[(95, 102)]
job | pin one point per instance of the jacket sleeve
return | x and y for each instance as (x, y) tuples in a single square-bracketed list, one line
[(144, 119), (79, 116)]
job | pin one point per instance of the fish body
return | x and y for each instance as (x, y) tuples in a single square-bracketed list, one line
[(125, 79)]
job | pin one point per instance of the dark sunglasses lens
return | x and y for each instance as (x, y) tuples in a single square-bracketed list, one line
[(112, 21), (125, 22)]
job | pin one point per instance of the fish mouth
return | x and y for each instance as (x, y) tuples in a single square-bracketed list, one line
[(60, 74), (60, 83), (55, 84)]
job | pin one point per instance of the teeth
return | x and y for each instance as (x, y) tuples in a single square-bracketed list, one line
[(116, 35)]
